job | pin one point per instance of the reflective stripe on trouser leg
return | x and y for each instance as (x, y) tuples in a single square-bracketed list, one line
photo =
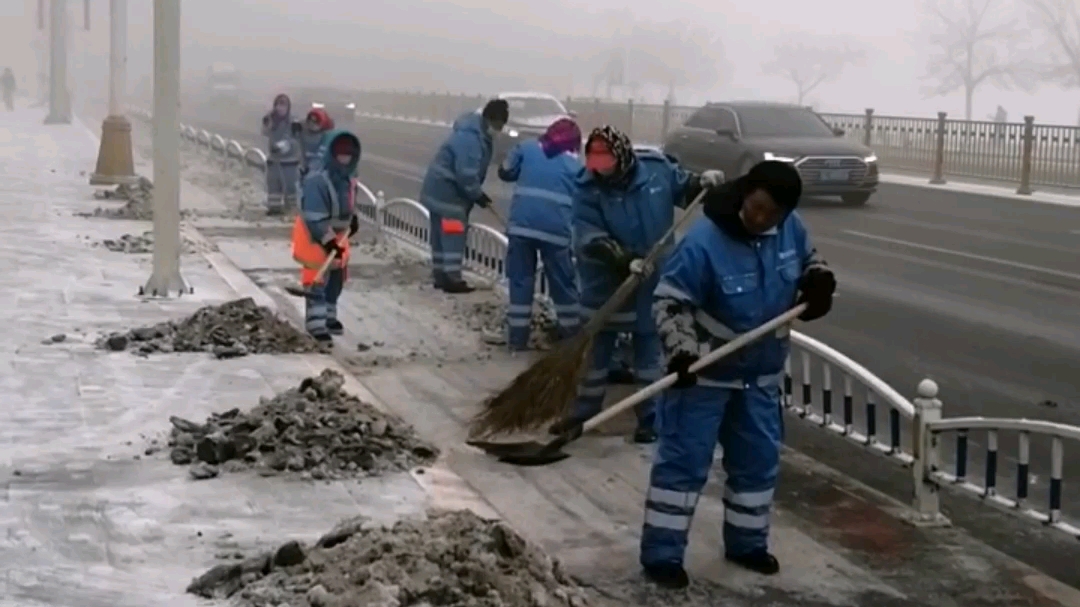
[(335, 281), (438, 261), (521, 279), (648, 358), (315, 311), (751, 439), (687, 422), (453, 246), (593, 386), (562, 286)]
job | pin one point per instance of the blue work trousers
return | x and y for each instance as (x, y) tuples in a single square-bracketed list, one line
[(521, 258), (321, 303), (447, 252), (648, 368), (282, 185), (750, 429)]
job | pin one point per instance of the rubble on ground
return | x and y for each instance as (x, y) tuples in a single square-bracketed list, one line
[(232, 329), (144, 243), (450, 559), (138, 197), (315, 429), (489, 319)]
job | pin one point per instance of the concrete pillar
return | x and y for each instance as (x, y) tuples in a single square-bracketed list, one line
[(115, 163), (59, 99), (166, 277)]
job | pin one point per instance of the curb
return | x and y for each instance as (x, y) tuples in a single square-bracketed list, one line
[(973, 189)]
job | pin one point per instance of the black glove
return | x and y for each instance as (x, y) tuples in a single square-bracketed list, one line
[(484, 201), (680, 363), (333, 246), (354, 225), (611, 254), (816, 288)]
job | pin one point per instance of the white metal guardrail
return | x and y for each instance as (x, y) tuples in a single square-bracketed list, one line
[(822, 386)]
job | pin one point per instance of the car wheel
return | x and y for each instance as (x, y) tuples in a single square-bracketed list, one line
[(856, 199)]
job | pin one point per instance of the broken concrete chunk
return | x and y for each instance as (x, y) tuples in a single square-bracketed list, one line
[(289, 554), (316, 430)]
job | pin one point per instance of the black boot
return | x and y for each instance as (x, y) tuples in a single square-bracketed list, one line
[(645, 435), (620, 377), (761, 562), (669, 576), (455, 287), (335, 327)]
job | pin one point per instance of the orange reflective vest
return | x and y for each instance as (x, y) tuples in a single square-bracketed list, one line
[(308, 250)]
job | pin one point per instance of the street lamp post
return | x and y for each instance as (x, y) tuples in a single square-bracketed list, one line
[(166, 277), (115, 162), (59, 101)]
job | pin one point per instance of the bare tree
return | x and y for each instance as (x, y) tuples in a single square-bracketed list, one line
[(1059, 20), (973, 42), (809, 64), (673, 55)]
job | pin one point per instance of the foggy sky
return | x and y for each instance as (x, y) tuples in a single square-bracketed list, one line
[(491, 45)]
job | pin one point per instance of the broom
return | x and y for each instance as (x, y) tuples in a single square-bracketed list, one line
[(544, 391)]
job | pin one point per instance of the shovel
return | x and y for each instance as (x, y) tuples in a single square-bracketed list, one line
[(533, 453), (301, 290)]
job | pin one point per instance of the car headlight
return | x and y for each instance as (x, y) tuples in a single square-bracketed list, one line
[(870, 159), (317, 106), (771, 156), (512, 133), (350, 106)]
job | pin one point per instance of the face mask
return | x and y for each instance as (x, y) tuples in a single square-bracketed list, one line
[(344, 159), (281, 109)]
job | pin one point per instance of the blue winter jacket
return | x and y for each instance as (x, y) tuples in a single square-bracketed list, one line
[(636, 216), (542, 205), (452, 184), (717, 285), (312, 142), (324, 205), (279, 130)]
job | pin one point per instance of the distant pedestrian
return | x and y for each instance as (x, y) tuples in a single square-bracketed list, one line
[(7, 89)]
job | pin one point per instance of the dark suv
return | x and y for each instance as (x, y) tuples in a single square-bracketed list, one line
[(735, 136)]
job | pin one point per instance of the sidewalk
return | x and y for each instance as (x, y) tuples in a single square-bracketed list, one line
[(955, 184), (88, 518)]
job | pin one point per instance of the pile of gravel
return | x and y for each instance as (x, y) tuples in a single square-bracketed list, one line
[(451, 559), (138, 197), (316, 429), (236, 328), (489, 319)]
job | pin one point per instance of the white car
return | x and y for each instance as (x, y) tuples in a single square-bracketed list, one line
[(530, 115)]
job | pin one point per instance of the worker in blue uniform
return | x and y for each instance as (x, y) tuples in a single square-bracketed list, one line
[(453, 185), (283, 157), (747, 261), (545, 172), (624, 205)]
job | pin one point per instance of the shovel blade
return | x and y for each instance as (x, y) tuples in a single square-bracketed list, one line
[(296, 290), (528, 453)]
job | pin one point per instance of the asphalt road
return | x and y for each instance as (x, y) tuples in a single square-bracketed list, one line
[(979, 294)]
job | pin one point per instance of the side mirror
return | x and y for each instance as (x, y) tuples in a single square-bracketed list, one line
[(838, 132)]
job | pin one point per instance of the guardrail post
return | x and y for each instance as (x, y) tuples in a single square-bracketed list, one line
[(630, 118), (868, 126), (1025, 158), (926, 500), (665, 119), (380, 210), (939, 152)]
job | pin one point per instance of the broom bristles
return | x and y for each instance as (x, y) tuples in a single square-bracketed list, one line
[(542, 393)]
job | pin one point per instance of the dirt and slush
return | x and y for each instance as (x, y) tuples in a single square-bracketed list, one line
[(315, 430), (451, 559), (236, 328)]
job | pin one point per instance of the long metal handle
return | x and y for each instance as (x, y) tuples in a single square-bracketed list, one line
[(663, 384)]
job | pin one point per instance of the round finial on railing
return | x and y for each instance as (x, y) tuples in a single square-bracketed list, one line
[(928, 388)]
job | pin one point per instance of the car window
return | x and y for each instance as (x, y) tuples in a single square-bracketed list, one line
[(532, 107), (713, 118), (782, 122)]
